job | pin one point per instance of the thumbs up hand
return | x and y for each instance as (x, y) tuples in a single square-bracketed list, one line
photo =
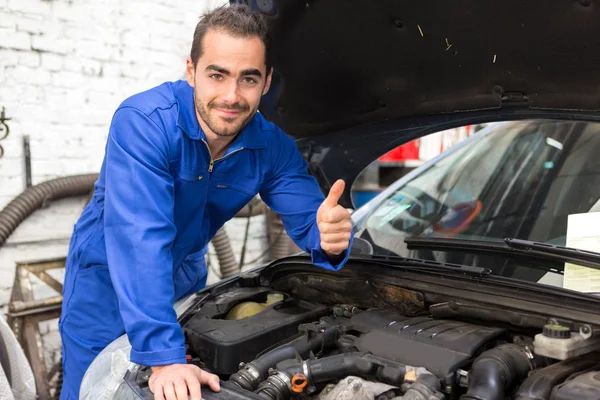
[(334, 222)]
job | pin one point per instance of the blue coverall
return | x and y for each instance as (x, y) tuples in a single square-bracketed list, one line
[(139, 244)]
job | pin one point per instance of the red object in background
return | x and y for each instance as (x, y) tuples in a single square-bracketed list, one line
[(408, 151)]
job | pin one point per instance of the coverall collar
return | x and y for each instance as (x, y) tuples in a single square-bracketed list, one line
[(249, 137)]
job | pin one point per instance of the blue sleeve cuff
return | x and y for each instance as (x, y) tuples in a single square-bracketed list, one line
[(320, 258), (175, 355)]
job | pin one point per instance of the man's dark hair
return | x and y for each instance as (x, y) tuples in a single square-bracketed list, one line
[(237, 20)]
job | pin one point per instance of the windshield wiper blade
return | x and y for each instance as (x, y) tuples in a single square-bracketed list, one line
[(510, 247), (418, 264), (566, 254)]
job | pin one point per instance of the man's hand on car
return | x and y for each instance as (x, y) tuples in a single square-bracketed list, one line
[(176, 381), (334, 222)]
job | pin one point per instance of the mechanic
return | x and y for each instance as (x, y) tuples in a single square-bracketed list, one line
[(182, 159)]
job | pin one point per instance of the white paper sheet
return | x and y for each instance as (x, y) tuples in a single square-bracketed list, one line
[(583, 232)]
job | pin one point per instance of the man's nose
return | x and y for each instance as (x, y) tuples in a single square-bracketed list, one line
[(231, 94)]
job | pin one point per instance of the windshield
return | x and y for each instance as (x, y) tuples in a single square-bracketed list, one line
[(520, 180)]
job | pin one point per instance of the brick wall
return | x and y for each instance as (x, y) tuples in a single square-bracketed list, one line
[(64, 67)]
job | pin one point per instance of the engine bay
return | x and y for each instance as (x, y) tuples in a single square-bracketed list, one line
[(271, 344)]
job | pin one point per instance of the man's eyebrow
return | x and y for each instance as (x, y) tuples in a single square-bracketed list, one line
[(218, 69), (251, 71)]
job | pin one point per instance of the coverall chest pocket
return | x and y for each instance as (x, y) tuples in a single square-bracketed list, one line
[(191, 187), (229, 194)]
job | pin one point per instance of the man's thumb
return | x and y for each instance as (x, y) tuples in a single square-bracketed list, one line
[(335, 193)]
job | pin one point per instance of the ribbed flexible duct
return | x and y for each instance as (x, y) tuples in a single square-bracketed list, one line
[(227, 263), (282, 244), (37, 196)]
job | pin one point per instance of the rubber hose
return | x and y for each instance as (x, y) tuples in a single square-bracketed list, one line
[(278, 236), (59, 381), (341, 365), (250, 375), (37, 196), (496, 370), (227, 263), (539, 385), (331, 368), (258, 207)]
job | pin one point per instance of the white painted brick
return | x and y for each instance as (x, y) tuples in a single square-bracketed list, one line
[(7, 20), (93, 49), (52, 62), (136, 39), (8, 57), (71, 11), (84, 66), (65, 79), (32, 25), (51, 44), (95, 97), (22, 74), (167, 59), (104, 34), (15, 40), (35, 7), (29, 59), (96, 53), (178, 46), (24, 94)]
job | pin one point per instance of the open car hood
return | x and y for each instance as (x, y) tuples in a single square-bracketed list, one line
[(357, 78)]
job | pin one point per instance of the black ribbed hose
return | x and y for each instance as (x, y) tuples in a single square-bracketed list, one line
[(251, 374), (341, 365), (496, 370), (35, 197), (330, 368)]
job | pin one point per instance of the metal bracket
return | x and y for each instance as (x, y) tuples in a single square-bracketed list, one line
[(4, 130), (25, 313)]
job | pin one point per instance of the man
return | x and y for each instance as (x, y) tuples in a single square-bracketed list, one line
[(181, 160)]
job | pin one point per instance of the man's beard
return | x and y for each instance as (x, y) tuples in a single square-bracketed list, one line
[(229, 130)]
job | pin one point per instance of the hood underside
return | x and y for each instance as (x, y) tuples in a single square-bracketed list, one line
[(356, 78), (343, 63)]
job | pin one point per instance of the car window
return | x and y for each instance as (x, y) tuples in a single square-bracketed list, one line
[(519, 180)]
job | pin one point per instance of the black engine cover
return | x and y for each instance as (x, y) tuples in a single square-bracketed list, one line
[(222, 344), (441, 346)]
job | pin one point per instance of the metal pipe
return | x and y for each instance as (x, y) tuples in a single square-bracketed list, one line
[(21, 306)]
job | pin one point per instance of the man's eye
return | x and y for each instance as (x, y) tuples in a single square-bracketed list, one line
[(250, 80), (217, 77)]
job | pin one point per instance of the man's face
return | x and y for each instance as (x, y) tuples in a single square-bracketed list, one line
[(228, 80)]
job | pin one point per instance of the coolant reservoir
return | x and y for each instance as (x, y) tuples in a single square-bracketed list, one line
[(273, 298), (560, 343), (250, 308)]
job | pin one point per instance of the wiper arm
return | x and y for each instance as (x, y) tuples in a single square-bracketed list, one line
[(511, 247), (417, 264), (562, 253)]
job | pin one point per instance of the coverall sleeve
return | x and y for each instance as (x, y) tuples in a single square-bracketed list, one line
[(296, 196), (139, 231)]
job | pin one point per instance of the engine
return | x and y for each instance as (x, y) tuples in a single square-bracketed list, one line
[(269, 345)]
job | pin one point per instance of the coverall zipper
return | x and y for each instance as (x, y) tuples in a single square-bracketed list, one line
[(212, 161)]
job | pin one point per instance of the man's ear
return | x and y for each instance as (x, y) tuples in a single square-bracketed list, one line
[(190, 71), (268, 82)]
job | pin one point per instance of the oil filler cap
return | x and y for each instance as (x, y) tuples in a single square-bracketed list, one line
[(557, 331)]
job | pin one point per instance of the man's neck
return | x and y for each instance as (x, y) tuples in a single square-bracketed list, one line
[(218, 145)]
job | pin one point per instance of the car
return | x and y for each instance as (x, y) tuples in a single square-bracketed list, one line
[(463, 280)]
